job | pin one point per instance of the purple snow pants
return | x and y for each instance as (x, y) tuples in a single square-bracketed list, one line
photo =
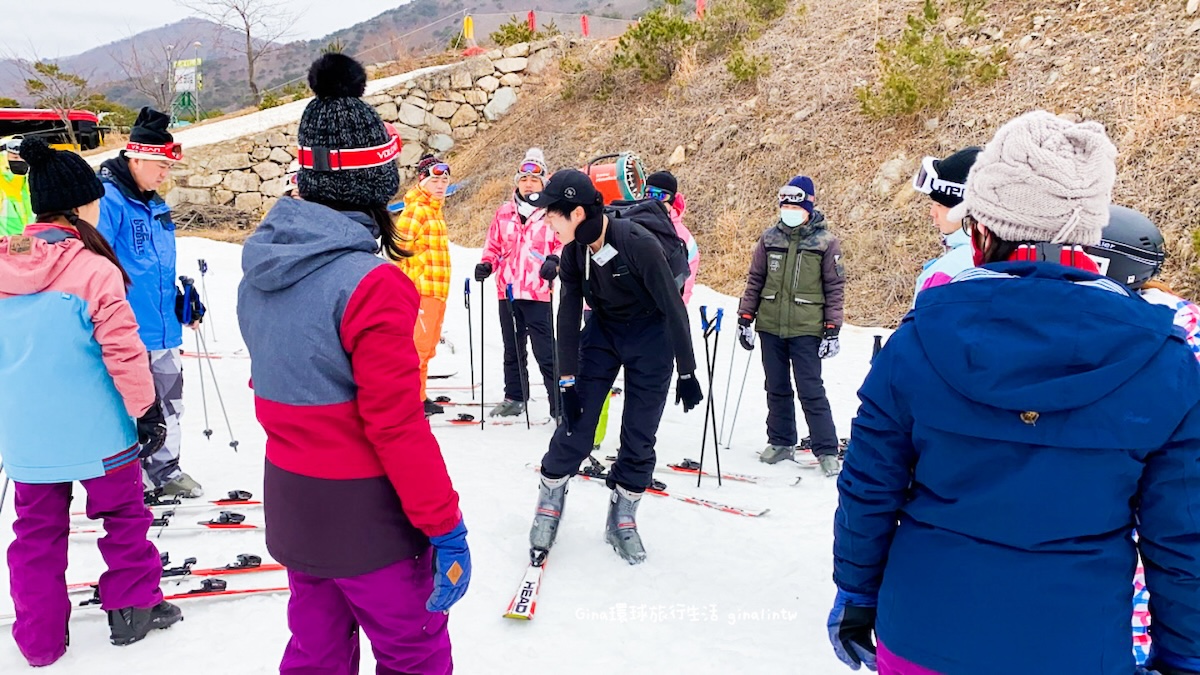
[(389, 604), (891, 664), (37, 558)]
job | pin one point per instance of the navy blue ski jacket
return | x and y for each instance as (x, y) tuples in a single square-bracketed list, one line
[(1017, 426)]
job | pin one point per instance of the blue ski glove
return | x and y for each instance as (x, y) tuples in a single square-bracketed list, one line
[(851, 629), (572, 409), (451, 568)]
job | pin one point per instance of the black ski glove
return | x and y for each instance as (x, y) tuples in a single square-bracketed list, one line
[(152, 430), (572, 409), (482, 271), (188, 308), (549, 270), (830, 346), (687, 391), (745, 333)]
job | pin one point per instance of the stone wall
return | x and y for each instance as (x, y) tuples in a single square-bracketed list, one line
[(432, 111)]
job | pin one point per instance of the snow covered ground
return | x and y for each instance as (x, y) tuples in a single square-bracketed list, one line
[(720, 593)]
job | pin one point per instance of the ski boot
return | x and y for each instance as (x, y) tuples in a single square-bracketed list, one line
[(552, 498), (129, 625), (432, 408), (509, 408), (830, 465), (184, 486), (777, 453), (621, 530)]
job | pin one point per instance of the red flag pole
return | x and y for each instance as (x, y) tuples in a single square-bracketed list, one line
[(583, 24), (532, 22)]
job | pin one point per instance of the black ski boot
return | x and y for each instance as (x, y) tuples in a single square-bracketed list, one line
[(129, 625), (432, 408)]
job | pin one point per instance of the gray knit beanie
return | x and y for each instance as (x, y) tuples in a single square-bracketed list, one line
[(1043, 178), (338, 119)]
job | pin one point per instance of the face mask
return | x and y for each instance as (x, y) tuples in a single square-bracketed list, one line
[(589, 230), (793, 217), (18, 167), (525, 208)]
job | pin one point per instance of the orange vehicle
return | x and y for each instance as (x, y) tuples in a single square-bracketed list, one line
[(26, 122)]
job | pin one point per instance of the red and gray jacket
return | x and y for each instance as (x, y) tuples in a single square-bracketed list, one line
[(354, 480)]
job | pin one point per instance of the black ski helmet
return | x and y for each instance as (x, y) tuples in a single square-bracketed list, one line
[(1131, 249)]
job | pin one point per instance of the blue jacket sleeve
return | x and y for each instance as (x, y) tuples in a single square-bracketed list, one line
[(1169, 540), (111, 217), (875, 478)]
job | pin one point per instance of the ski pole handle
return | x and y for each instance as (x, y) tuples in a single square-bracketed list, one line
[(467, 293), (508, 294), (720, 315), (203, 266), (704, 318)]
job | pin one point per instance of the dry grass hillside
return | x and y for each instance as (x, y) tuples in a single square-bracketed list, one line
[(1125, 63)]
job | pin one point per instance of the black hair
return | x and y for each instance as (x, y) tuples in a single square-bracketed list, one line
[(565, 209), (89, 235)]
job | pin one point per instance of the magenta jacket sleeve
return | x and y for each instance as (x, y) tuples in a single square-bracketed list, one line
[(116, 330), (377, 331)]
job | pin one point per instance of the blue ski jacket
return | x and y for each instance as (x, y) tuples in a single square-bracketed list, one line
[(1013, 431), (143, 235)]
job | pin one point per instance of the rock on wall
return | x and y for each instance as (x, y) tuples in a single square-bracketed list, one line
[(432, 112)]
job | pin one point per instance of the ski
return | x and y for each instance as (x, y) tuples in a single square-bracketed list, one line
[(436, 386), (246, 563), (692, 467), (465, 420), (228, 520), (524, 601), (239, 354), (157, 503), (442, 377), (448, 402), (659, 489), (209, 588)]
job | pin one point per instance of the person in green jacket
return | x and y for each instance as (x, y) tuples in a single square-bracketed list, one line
[(794, 295), (15, 211)]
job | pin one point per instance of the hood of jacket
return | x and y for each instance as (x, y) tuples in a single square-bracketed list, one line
[(1037, 337), (299, 237), (25, 273)]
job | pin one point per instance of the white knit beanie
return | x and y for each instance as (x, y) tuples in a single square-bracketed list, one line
[(535, 156), (1043, 178)]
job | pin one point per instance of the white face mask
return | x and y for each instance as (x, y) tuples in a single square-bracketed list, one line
[(793, 217), (525, 208)]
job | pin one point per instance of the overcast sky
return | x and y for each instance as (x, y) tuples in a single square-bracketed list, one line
[(58, 28)]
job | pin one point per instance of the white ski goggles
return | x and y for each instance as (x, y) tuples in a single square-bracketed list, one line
[(926, 181), (790, 194)]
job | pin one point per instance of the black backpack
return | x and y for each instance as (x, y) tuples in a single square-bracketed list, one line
[(652, 215)]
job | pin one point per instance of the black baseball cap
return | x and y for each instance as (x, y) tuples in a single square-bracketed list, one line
[(568, 185)]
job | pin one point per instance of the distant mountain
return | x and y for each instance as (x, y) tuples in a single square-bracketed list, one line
[(393, 34)]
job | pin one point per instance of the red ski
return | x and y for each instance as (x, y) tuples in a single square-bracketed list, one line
[(235, 498), (592, 474), (246, 563), (226, 521)]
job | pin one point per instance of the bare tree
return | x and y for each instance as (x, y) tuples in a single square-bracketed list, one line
[(150, 69), (261, 22), (55, 88)]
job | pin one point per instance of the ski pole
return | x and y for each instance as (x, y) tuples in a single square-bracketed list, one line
[(728, 388), (557, 394), (212, 333), (524, 375), (876, 347), (482, 352), (189, 291), (203, 394), (738, 407), (710, 408), (186, 319), (470, 332)]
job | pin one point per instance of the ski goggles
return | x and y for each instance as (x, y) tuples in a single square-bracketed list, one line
[(438, 170), (658, 193), (926, 181), (790, 194), (172, 152), (531, 169), (12, 145), (327, 159)]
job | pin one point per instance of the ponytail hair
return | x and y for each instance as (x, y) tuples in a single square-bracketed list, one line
[(89, 235)]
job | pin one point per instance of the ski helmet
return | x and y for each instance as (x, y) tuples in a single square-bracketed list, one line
[(1131, 249)]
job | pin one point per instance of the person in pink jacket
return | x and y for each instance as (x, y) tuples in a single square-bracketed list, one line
[(522, 251), (663, 186), (68, 337)]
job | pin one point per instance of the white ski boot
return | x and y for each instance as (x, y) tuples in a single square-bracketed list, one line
[(621, 531), (552, 498)]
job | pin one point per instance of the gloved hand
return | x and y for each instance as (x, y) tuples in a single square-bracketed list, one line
[(745, 334), (851, 629), (572, 409), (188, 308), (687, 391), (451, 568), (482, 271), (829, 341), (1163, 662), (549, 270), (152, 430)]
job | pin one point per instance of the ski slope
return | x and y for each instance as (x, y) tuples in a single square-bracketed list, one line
[(719, 593)]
